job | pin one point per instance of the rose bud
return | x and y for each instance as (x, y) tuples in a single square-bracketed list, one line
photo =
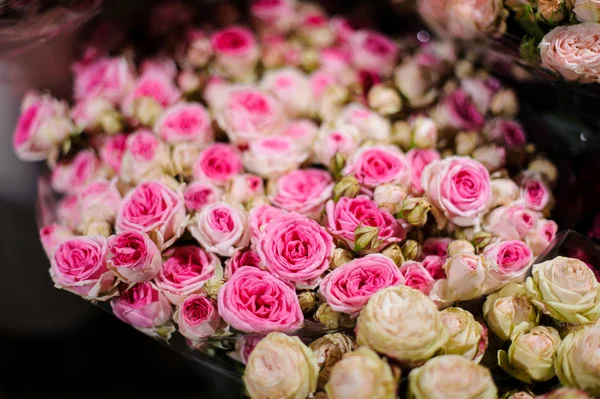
[(465, 23), (220, 228), (105, 77), (236, 51), (189, 81), (458, 111), (366, 239), (540, 238), (146, 157), (424, 132), (465, 279), (52, 236), (133, 257), (274, 156), (343, 141), (152, 93), (314, 28), (346, 187), (451, 376), (401, 134), (348, 288), (329, 105), (584, 10), (219, 164), (517, 395), (303, 131), (467, 337), (164, 224), (96, 227), (197, 317), (281, 366), (505, 103), (185, 122), (545, 168), (416, 276), (143, 306), (291, 87), (414, 211), (482, 239), (295, 249), (112, 150), (401, 323), (435, 266), (373, 52), (552, 12), (183, 159), (72, 177), (459, 246), (512, 222), (415, 83), (466, 142), (530, 355), (418, 159), (492, 156), (504, 192), (565, 393), (565, 289), (245, 188), (366, 166), (507, 261), (68, 213), (304, 191), (273, 16), (331, 319), (198, 49), (509, 312), (535, 194), (370, 124), (340, 257), (260, 217), (394, 252), (361, 374), (411, 250), (198, 194), (79, 266), (279, 311), (100, 200), (308, 301), (329, 349), (384, 100), (96, 114)]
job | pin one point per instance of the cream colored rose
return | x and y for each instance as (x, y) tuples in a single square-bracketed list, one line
[(451, 376), (465, 274), (517, 395), (565, 289), (504, 192), (509, 312), (578, 360), (329, 349), (459, 246), (402, 323), (281, 367), (587, 10), (467, 337), (361, 374), (530, 355)]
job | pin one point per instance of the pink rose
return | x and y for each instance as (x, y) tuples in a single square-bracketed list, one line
[(185, 271), (336, 60), (155, 85), (72, 177), (273, 156), (507, 261), (68, 212), (241, 258), (246, 345), (459, 187), (417, 276), (535, 193), (481, 91), (146, 157), (417, 159), (315, 29), (379, 164), (370, 124), (112, 150), (100, 200), (348, 288), (189, 81), (506, 131), (248, 114), (273, 15), (185, 122), (256, 301), (573, 51), (295, 249), (110, 78), (302, 131), (504, 192), (52, 236), (321, 80), (389, 196), (216, 92), (343, 28), (133, 257), (491, 156), (466, 275), (220, 228), (373, 51), (260, 217), (304, 191), (246, 187), (435, 266), (197, 317), (154, 209), (435, 13), (142, 306), (347, 214), (236, 50), (344, 141), (199, 194), (459, 111), (87, 113), (218, 163), (79, 266), (540, 238), (416, 82), (511, 222), (159, 64), (437, 246), (470, 19), (291, 87)]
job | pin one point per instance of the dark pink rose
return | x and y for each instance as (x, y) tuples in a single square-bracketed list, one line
[(506, 131), (185, 122), (259, 217), (437, 246), (460, 111), (379, 164), (417, 159), (133, 257), (199, 194), (512, 222), (256, 301), (435, 266), (302, 131), (112, 150), (535, 193), (373, 51), (417, 276), (291, 87), (110, 78), (236, 50), (52, 236), (142, 306), (219, 163), (481, 91), (197, 317), (72, 177), (507, 262), (241, 258), (348, 288)]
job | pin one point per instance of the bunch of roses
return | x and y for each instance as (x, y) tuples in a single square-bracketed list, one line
[(251, 183)]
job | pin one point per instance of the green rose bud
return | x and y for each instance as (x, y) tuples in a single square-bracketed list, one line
[(366, 238), (308, 301), (332, 319), (394, 252), (414, 211), (336, 165), (411, 250), (509, 312), (346, 187), (459, 246), (482, 239)]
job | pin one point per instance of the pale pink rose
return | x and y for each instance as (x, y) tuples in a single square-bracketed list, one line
[(465, 279), (68, 212), (185, 122), (133, 257), (424, 132), (273, 15), (389, 196), (256, 301), (492, 156), (321, 80), (236, 50), (72, 177), (459, 187), (417, 160), (142, 306), (459, 111), (573, 51), (79, 266), (110, 78), (511, 222), (291, 87), (219, 163), (347, 214), (246, 187), (241, 258), (248, 114), (506, 131), (481, 91), (216, 92), (197, 317), (154, 84), (100, 200), (186, 270), (260, 217), (373, 51), (302, 131), (469, 19), (587, 10), (154, 209), (304, 191), (86, 113), (416, 82), (507, 262), (199, 194), (435, 266), (369, 124), (434, 13), (336, 60), (504, 192), (273, 156), (159, 64), (146, 157), (189, 81), (220, 228), (52, 236), (535, 193), (183, 159), (348, 288), (295, 249), (344, 141), (379, 164), (437, 246), (540, 238), (198, 49), (315, 29), (246, 345), (417, 276), (112, 150), (342, 28)]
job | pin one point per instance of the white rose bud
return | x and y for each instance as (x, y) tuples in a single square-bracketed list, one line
[(467, 337), (424, 132), (184, 156), (504, 192), (544, 167), (384, 100), (491, 156), (459, 246), (509, 312), (329, 349), (389, 196), (466, 142), (504, 103)]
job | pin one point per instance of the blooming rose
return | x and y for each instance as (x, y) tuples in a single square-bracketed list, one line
[(465, 279), (459, 111), (511, 222), (110, 78), (506, 131), (379, 164), (154, 85), (504, 192), (260, 217), (302, 131), (587, 10), (256, 301), (236, 50), (507, 261), (218, 163), (459, 187), (373, 51), (467, 337), (197, 317), (535, 193), (52, 236), (348, 288), (154, 209), (185, 122), (79, 266), (370, 124), (295, 249), (220, 228), (469, 19), (291, 87), (184, 157), (133, 257), (435, 266), (417, 276), (417, 159), (273, 156), (142, 306), (199, 194), (112, 150), (540, 238), (273, 15), (304, 191), (72, 177), (344, 141), (246, 187), (329, 350), (100, 200), (241, 258), (186, 270), (509, 312), (573, 51), (146, 157), (437, 246)]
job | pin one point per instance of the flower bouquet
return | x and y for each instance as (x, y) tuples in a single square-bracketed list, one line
[(337, 213)]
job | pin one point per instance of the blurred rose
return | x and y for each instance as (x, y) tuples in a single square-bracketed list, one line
[(146, 157), (343, 141), (565, 393), (467, 337), (198, 194), (577, 360), (219, 163), (110, 78), (273, 15), (52, 236), (509, 312), (291, 87), (379, 164), (89, 113), (100, 200), (492, 156), (373, 51), (415, 82), (437, 246), (504, 192), (370, 124), (153, 91), (273, 156), (469, 19), (71, 177), (314, 27), (245, 187), (142, 306), (302, 131), (112, 150), (236, 51), (458, 110), (133, 257), (512, 222), (506, 131), (481, 90)]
